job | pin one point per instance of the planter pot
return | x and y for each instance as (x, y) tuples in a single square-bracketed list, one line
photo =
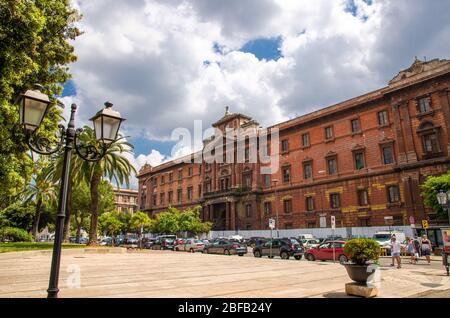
[(358, 273)]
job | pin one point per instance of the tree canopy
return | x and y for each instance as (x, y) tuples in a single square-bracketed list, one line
[(174, 221), (34, 48), (431, 187)]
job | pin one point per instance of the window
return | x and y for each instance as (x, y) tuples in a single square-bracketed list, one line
[(189, 193), (424, 105), (364, 222), (363, 197), (388, 154), (248, 226), (393, 193), (247, 154), (431, 143), (307, 170), (284, 145), (332, 165), (356, 127), (335, 201), (267, 208), (288, 226), (179, 195), (170, 197), (170, 177), (328, 133), (309, 204), (305, 140), (311, 224), (180, 174), (383, 119), (266, 180), (286, 174), (190, 171), (287, 206), (248, 210), (154, 199), (248, 180), (199, 190), (398, 220), (155, 181), (162, 179), (207, 186), (161, 198), (359, 160)]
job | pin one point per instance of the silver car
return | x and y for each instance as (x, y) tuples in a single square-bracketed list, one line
[(191, 245)]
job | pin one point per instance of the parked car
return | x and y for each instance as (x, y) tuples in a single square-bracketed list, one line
[(305, 236), (148, 242), (284, 247), (324, 252), (166, 242), (107, 241), (191, 245), (253, 241), (225, 247), (310, 243)]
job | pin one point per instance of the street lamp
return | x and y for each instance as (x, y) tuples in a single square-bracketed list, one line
[(275, 181), (33, 106)]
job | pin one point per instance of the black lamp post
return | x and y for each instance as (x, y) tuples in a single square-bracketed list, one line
[(33, 106)]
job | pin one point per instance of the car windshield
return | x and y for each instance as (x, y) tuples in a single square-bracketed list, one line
[(169, 240), (381, 237), (294, 241)]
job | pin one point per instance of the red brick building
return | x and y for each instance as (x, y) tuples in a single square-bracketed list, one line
[(359, 160)]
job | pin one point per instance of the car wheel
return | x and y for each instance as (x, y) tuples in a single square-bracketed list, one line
[(241, 254), (257, 254), (284, 255), (343, 259), (310, 257), (191, 250), (177, 249), (270, 256), (226, 252), (298, 257)]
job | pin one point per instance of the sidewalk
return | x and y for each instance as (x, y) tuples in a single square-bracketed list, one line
[(421, 259)]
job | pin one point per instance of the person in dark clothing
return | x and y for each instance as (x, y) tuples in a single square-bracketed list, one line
[(418, 250)]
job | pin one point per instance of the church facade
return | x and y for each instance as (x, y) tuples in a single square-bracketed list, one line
[(361, 161)]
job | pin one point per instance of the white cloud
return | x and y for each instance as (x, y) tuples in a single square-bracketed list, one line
[(147, 57)]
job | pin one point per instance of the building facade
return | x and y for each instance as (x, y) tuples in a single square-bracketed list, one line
[(126, 200), (361, 161)]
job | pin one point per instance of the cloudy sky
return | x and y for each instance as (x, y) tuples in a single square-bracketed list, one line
[(166, 63)]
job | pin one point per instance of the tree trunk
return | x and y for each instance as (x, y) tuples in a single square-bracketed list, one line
[(78, 232), (95, 181), (37, 216), (68, 213)]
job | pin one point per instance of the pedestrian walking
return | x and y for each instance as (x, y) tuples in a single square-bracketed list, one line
[(426, 248), (411, 250), (395, 251)]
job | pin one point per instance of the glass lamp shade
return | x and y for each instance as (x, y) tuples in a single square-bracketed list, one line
[(107, 124), (442, 198), (33, 105)]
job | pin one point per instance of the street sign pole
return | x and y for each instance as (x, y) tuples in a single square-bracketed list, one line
[(271, 239), (333, 227), (272, 226)]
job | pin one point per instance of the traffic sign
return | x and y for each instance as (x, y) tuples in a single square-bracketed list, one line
[(333, 222), (425, 224), (272, 223)]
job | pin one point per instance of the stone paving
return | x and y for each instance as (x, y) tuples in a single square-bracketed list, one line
[(179, 274)]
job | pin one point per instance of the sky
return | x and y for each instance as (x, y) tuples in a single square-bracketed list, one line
[(165, 63)]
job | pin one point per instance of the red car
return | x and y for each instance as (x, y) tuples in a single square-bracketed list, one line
[(324, 252)]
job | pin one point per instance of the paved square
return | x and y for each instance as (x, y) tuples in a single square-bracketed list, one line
[(179, 274)]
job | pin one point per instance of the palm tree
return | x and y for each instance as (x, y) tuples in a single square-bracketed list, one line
[(43, 191), (113, 166)]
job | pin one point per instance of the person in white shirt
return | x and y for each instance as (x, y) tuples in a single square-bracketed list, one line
[(395, 251)]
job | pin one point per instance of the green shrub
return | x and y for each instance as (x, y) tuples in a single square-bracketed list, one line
[(14, 234), (362, 250)]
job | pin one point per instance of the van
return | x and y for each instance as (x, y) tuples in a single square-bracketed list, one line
[(384, 237), (305, 236)]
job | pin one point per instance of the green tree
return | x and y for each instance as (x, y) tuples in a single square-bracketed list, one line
[(140, 221), (113, 166), (43, 192), (81, 204), (19, 215), (34, 48), (431, 187), (110, 223), (174, 221)]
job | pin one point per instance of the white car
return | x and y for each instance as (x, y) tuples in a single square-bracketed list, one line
[(191, 245), (310, 243)]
